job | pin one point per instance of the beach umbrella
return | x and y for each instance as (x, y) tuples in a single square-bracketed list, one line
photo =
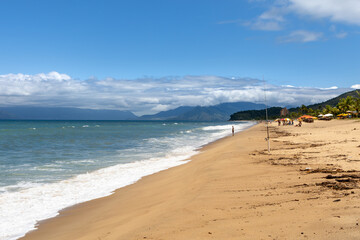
[(307, 116)]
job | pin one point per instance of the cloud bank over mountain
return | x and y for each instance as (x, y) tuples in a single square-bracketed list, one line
[(150, 95)]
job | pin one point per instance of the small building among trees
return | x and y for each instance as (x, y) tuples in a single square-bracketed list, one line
[(284, 112)]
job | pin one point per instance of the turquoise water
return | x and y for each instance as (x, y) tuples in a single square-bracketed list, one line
[(49, 165)]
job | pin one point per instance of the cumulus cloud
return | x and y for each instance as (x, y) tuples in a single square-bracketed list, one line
[(149, 95), (356, 86), (279, 15), (346, 11), (24, 84), (301, 36)]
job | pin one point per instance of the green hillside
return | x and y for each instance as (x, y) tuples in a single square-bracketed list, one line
[(273, 113), (340, 104), (332, 102)]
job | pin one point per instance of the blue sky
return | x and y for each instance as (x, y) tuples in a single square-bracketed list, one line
[(306, 46)]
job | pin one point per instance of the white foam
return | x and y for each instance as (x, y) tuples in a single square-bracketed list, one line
[(19, 211), (18, 186), (223, 130), (215, 128)]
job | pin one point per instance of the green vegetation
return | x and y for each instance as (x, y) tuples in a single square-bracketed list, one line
[(273, 113), (349, 101)]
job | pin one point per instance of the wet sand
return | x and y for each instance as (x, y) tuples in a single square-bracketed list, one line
[(306, 188)]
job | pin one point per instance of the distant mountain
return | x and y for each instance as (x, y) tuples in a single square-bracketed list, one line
[(170, 114), (54, 113), (203, 114), (220, 112)]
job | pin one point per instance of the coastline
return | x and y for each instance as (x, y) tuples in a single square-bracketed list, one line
[(92, 168), (231, 189)]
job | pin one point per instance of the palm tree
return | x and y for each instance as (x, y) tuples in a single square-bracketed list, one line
[(357, 104), (294, 115), (345, 104), (327, 109), (311, 112), (334, 111), (303, 109)]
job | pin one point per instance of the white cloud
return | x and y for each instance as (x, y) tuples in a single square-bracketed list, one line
[(356, 86), (329, 88), (302, 36), (149, 95), (271, 20), (346, 11), (273, 14), (24, 84), (280, 15), (257, 24), (160, 107), (264, 25), (341, 35)]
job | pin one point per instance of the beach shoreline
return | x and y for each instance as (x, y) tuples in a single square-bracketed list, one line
[(231, 189), (105, 156)]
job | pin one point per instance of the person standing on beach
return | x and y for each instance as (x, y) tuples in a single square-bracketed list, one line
[(233, 130)]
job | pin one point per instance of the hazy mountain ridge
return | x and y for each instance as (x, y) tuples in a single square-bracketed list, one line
[(220, 112), (170, 114)]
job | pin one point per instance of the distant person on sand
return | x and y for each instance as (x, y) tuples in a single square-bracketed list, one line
[(233, 130)]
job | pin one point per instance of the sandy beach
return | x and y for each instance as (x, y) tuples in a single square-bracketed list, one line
[(306, 188)]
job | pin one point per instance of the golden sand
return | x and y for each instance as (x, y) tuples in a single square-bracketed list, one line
[(306, 188)]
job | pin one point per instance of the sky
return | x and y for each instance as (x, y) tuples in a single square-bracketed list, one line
[(150, 56)]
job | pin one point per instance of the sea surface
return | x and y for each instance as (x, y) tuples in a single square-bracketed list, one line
[(46, 166)]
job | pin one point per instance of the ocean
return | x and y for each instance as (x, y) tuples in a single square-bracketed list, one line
[(46, 166)]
